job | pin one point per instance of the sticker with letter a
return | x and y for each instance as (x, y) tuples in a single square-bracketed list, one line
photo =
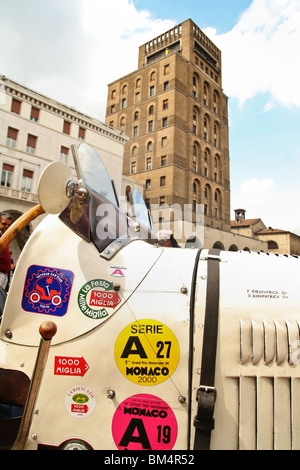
[(117, 271), (47, 290), (144, 422), (147, 352)]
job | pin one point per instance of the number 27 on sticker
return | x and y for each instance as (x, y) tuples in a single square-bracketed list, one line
[(161, 349)]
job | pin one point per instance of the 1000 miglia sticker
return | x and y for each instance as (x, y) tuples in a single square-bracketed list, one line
[(97, 299), (80, 401), (47, 290), (144, 422), (147, 352)]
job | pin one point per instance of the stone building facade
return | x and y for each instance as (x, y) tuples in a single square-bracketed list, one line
[(36, 130), (175, 114), (278, 241)]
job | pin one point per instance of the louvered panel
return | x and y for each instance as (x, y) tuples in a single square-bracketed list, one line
[(247, 413), (295, 414), (269, 413), (269, 384), (246, 342), (281, 342), (225, 435), (293, 337), (268, 341), (257, 341), (265, 406), (282, 413)]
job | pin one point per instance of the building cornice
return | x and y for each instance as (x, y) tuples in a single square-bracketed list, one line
[(41, 101)]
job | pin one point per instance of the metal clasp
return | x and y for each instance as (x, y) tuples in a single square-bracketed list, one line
[(206, 389), (206, 256), (216, 257)]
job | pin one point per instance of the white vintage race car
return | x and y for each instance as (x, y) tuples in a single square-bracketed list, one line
[(109, 341)]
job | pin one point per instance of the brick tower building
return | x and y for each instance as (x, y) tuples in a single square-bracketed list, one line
[(175, 113)]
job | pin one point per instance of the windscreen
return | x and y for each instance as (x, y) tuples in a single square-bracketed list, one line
[(141, 212), (93, 173), (107, 223), (100, 218)]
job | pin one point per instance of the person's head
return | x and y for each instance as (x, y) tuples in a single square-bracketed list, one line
[(5, 221), (164, 238)]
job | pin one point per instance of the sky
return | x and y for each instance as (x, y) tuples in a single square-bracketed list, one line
[(70, 50)]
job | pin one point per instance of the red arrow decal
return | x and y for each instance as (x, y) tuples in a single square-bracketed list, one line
[(70, 366)]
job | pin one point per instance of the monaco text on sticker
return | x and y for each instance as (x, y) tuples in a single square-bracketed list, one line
[(147, 352), (144, 422), (97, 299), (80, 401), (47, 290)]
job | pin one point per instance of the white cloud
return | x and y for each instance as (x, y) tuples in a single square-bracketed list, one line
[(71, 49), (260, 53), (265, 199), (113, 32), (257, 187)]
